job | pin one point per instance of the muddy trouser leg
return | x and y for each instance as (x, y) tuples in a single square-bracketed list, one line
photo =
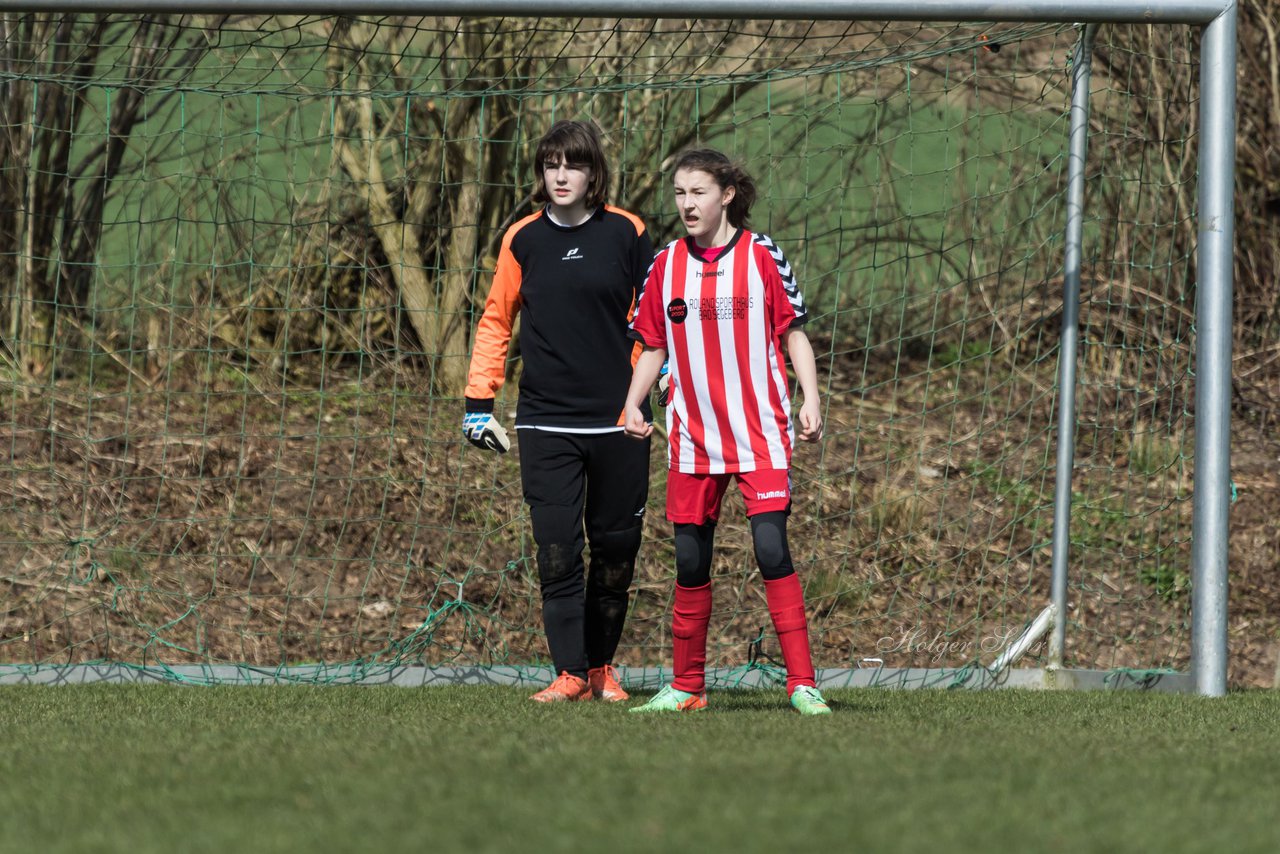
[(553, 474), (617, 490)]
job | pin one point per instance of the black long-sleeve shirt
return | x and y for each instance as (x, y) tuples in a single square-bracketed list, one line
[(576, 288)]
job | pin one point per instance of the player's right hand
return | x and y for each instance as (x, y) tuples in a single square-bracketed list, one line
[(664, 384), (484, 431)]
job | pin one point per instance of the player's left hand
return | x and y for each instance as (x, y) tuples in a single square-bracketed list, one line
[(810, 421)]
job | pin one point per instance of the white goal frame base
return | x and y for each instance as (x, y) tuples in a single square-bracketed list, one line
[(634, 678)]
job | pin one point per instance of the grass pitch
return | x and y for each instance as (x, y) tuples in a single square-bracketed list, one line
[(160, 768)]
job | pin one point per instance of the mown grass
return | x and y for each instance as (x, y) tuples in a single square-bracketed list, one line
[(159, 768)]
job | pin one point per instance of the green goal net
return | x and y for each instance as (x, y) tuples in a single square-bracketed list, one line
[(241, 260)]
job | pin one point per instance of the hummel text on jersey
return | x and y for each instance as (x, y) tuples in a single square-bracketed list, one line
[(777, 493)]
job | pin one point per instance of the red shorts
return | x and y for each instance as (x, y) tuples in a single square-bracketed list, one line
[(693, 499)]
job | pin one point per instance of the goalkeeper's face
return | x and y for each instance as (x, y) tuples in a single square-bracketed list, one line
[(567, 183)]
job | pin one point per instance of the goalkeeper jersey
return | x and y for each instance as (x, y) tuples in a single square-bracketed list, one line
[(721, 322), (574, 289)]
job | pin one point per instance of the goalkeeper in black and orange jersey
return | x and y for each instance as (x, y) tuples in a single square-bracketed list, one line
[(573, 271)]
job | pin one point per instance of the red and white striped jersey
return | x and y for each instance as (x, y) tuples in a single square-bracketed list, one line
[(721, 323)]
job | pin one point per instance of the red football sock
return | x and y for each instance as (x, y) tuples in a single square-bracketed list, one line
[(786, 607), (689, 618)]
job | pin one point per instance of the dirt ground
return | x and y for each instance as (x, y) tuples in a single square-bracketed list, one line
[(230, 522), (1254, 600)]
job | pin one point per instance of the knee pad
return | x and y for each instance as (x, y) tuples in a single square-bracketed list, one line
[(613, 559), (556, 562), (694, 544), (769, 538)]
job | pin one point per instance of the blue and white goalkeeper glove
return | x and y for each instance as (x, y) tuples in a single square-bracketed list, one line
[(484, 431), (664, 384)]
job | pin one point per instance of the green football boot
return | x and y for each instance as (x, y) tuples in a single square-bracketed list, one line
[(807, 700), (673, 700)]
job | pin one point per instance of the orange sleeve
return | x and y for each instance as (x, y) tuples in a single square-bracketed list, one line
[(630, 217), (493, 334)]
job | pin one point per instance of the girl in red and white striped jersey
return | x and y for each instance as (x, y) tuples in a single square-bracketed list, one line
[(722, 306)]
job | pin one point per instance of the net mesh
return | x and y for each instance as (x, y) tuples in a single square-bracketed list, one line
[(241, 260)]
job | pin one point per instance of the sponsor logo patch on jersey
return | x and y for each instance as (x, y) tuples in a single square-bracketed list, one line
[(572, 255), (720, 308), (677, 310)]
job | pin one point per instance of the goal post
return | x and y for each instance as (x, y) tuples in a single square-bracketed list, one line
[(263, 316), (1216, 246)]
